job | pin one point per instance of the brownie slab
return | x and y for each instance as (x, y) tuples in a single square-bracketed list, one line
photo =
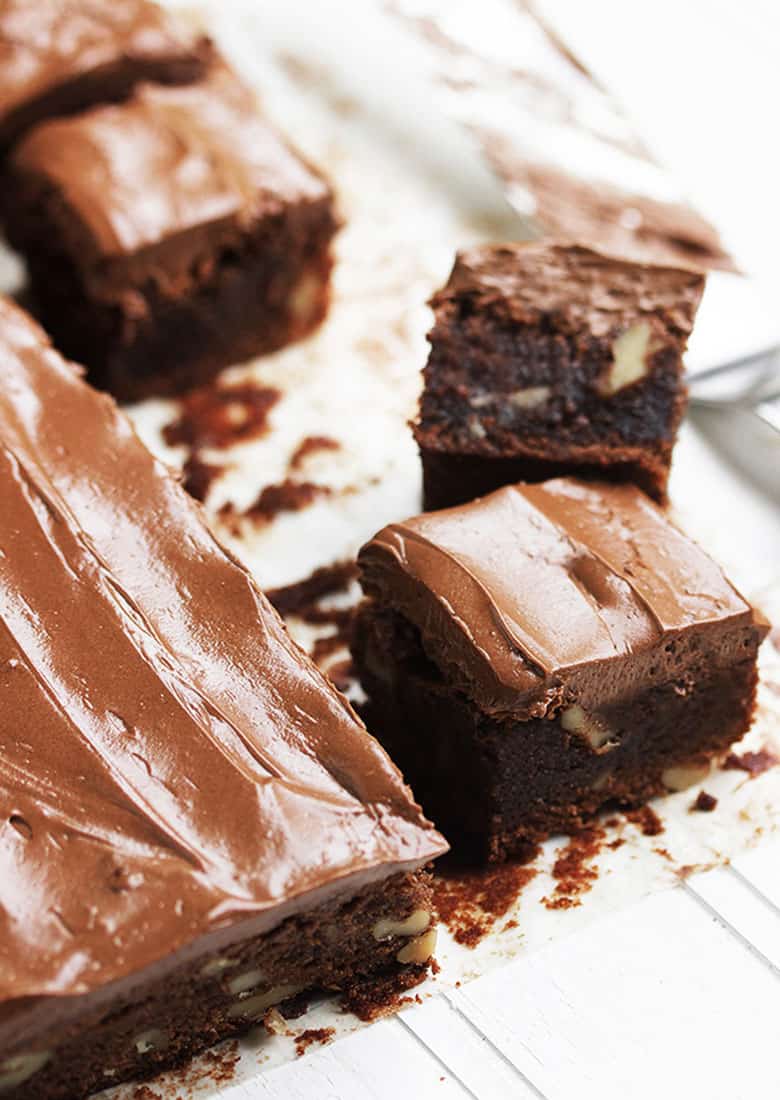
[(551, 359), (171, 235), (545, 650), (60, 56), (194, 825)]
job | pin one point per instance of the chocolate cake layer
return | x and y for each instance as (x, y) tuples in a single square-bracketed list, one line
[(550, 359), (170, 235), (190, 814), (557, 645), (60, 56)]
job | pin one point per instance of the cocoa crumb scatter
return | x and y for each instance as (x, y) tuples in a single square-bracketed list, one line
[(704, 803), (313, 1035), (646, 820), (287, 496), (574, 869), (219, 416), (754, 763), (198, 476), (301, 598), (470, 902), (310, 445)]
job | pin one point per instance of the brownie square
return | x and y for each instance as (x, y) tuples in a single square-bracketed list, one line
[(545, 650), (195, 828), (550, 359), (171, 235), (60, 56)]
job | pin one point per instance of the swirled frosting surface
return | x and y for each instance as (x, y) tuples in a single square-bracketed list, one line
[(538, 593), (170, 762)]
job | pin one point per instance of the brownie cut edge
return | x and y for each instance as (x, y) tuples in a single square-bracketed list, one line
[(550, 359), (545, 650)]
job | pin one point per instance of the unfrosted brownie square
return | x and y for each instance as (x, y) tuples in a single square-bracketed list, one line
[(550, 359)]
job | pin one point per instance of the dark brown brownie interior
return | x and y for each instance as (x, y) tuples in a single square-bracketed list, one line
[(508, 403), (334, 947), (494, 786)]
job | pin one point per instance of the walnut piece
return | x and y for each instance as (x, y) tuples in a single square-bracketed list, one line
[(629, 359), (679, 777), (575, 720), (250, 979), (418, 950), (19, 1068), (154, 1039), (254, 1008), (413, 925)]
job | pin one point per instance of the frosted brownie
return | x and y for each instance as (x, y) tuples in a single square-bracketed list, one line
[(545, 650), (171, 235), (60, 56), (194, 825), (550, 359)]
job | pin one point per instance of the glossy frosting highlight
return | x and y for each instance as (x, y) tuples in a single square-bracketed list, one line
[(162, 179), (536, 590), (45, 44), (170, 762)]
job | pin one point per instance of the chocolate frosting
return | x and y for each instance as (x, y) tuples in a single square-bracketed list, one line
[(575, 288), (540, 595), (154, 186), (45, 44), (172, 767)]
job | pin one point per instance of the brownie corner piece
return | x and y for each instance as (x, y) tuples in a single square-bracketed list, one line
[(171, 235), (552, 359), (545, 650), (61, 56)]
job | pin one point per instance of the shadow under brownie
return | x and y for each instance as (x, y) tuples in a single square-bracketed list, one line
[(550, 359), (61, 56), (547, 650), (194, 826), (171, 235)]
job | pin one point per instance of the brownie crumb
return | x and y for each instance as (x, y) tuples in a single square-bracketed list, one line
[(299, 598), (574, 871), (704, 802), (287, 496), (198, 476), (310, 445), (646, 820), (471, 902), (219, 416), (371, 998), (313, 1035), (754, 763)]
